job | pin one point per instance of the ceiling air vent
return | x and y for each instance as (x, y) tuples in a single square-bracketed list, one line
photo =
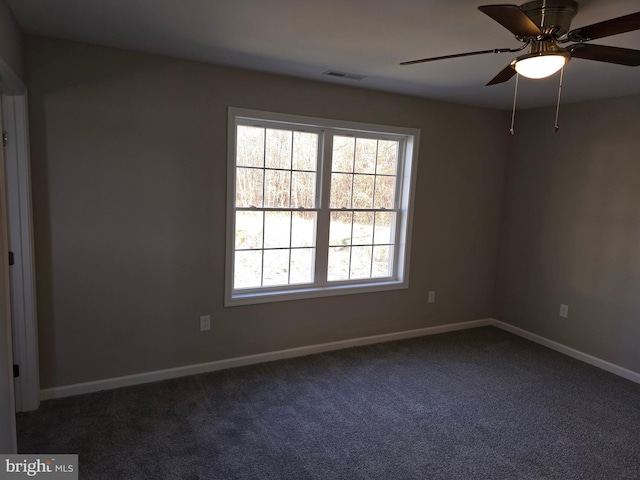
[(348, 76)]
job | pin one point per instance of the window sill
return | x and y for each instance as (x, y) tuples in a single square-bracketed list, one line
[(253, 298)]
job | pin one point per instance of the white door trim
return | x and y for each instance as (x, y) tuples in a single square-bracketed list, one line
[(10, 83), (8, 442), (23, 295)]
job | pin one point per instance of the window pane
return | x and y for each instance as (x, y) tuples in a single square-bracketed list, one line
[(277, 229), (276, 267), (278, 151), (343, 151), (248, 187), (363, 228), (360, 262), (247, 269), (340, 228), (302, 265), (341, 190), (384, 227), (338, 268), (282, 174), (387, 157), (303, 189), (303, 229), (363, 191), (366, 155), (385, 192), (248, 230), (250, 146), (382, 261), (277, 188), (305, 151)]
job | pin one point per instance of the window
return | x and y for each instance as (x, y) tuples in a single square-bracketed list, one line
[(316, 207)]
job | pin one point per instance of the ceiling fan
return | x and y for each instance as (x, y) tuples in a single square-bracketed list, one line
[(543, 25)]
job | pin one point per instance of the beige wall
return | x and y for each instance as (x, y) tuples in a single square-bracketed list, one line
[(129, 163), (10, 40), (571, 229)]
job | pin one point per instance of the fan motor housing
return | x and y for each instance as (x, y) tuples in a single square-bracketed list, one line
[(552, 16)]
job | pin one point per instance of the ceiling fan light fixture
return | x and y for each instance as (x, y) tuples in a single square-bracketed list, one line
[(540, 65)]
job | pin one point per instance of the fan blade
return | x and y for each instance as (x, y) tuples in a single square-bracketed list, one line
[(504, 75), (513, 19), (601, 53), (628, 23), (457, 55)]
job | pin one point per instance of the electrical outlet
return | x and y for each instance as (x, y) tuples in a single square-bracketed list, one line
[(564, 310), (431, 297), (205, 323)]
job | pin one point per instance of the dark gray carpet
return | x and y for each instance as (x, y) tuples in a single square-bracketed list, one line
[(475, 404)]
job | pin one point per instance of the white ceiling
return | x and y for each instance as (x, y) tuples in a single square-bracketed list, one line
[(305, 38)]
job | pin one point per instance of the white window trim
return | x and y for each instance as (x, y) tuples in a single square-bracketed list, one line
[(402, 248)]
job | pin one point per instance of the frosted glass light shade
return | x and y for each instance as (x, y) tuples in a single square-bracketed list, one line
[(540, 66)]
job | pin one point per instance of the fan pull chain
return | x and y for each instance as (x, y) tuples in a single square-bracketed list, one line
[(556, 127), (513, 112)]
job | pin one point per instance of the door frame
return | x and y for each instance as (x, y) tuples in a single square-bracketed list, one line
[(20, 222), (8, 441), (20, 240)]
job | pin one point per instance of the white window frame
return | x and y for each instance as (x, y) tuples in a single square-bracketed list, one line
[(407, 170)]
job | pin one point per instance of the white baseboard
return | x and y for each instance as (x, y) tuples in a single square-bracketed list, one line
[(155, 376), (571, 352)]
